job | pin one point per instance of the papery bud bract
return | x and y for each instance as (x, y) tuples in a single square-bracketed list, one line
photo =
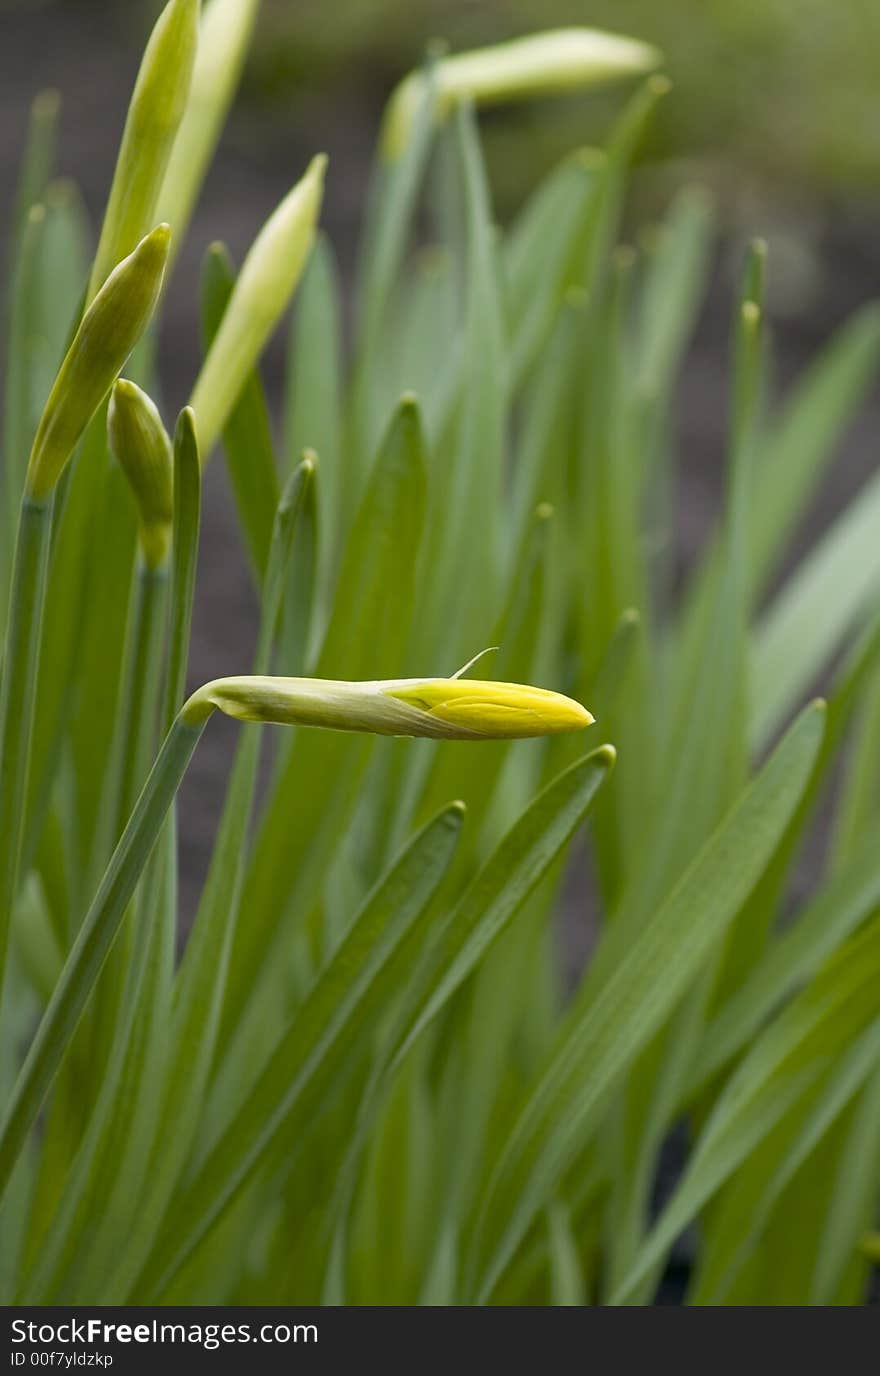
[(107, 333), (540, 64), (154, 114), (444, 709), (142, 448), (268, 277)]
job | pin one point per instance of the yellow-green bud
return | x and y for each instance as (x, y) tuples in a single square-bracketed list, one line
[(442, 708), (107, 333), (143, 450), (541, 64), (223, 41), (267, 280), (154, 114)]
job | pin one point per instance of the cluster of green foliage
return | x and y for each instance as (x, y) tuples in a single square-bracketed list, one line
[(779, 88), (364, 1080)]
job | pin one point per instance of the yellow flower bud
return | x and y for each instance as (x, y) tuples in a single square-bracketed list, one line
[(540, 64), (143, 450), (494, 709), (441, 708), (107, 333), (268, 277)]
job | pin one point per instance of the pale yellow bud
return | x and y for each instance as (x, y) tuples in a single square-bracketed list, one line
[(267, 280), (107, 333), (541, 64)]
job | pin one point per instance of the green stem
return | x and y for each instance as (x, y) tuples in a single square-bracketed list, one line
[(96, 936), (133, 750), (140, 722), (18, 695)]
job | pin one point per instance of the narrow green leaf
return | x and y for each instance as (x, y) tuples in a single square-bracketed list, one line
[(804, 439), (247, 438), (467, 492), (178, 1087), (36, 165), (809, 618), (18, 697), (96, 936), (852, 1198), (502, 885), (676, 273), (778, 1072), (187, 515), (542, 254), (634, 984), (764, 1176), (314, 790), (566, 1277), (843, 904), (312, 400), (391, 206), (343, 1005)]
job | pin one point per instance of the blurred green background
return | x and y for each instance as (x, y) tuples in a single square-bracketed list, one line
[(784, 92)]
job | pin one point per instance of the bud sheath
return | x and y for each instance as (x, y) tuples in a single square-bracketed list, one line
[(143, 450), (541, 64), (223, 40), (265, 284), (107, 333), (154, 114)]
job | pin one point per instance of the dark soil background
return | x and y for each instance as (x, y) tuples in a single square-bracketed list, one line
[(318, 80)]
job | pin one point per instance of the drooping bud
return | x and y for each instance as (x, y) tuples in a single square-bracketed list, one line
[(541, 64), (142, 448), (441, 708), (267, 280), (107, 333)]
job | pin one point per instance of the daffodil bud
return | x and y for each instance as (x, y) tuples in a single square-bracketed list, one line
[(541, 64), (154, 114), (267, 280), (107, 333), (223, 41), (442, 708), (143, 450)]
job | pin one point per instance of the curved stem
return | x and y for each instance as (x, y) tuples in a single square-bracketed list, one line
[(96, 936), (20, 662)]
